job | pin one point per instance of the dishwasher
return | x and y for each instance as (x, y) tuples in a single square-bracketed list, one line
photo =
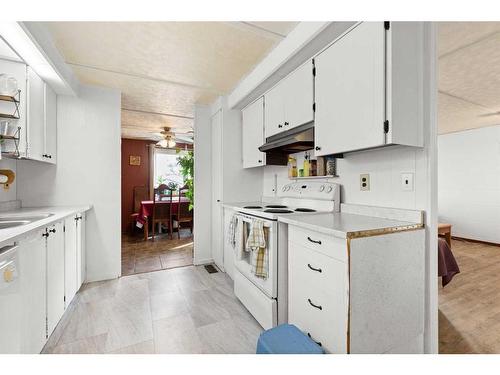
[(10, 300)]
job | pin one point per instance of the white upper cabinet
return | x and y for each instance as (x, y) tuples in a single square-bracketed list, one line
[(299, 96), (253, 134), (42, 121), (50, 149), (350, 91), (36, 116), (274, 112), (368, 89), (290, 102)]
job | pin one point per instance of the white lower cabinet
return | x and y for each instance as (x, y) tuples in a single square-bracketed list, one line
[(55, 275), (318, 310), (33, 292), (50, 270), (358, 295)]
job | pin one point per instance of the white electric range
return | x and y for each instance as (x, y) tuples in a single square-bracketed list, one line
[(267, 299)]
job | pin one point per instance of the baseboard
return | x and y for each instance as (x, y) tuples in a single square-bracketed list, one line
[(202, 262), (476, 241)]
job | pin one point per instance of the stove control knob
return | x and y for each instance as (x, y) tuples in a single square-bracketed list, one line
[(284, 188), (329, 189), (322, 188)]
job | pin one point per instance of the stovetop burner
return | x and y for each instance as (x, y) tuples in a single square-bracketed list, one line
[(278, 211), (275, 206), (253, 207), (300, 209)]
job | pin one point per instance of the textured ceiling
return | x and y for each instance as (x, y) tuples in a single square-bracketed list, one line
[(469, 75), (164, 68)]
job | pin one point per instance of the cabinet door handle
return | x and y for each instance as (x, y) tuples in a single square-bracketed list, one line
[(314, 269), (314, 241), (49, 156), (287, 123), (45, 235), (317, 342), (280, 126), (313, 305), (260, 161), (317, 148), (52, 231)]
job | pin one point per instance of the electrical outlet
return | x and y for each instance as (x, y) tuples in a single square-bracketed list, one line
[(407, 181), (364, 182)]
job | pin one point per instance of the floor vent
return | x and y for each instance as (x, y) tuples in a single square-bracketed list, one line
[(211, 269)]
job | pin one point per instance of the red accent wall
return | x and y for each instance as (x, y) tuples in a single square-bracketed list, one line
[(133, 175)]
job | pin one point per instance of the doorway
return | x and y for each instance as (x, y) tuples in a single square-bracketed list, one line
[(157, 185)]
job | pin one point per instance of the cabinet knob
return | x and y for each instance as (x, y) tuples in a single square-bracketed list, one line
[(280, 126), (45, 235), (260, 161), (317, 148), (49, 156), (287, 123), (52, 231)]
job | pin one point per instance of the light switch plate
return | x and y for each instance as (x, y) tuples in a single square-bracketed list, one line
[(364, 182), (407, 181)]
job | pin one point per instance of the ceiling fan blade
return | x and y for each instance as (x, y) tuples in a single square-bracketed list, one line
[(184, 139), (490, 114)]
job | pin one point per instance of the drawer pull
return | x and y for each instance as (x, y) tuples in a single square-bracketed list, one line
[(313, 305), (317, 342), (314, 269), (314, 241)]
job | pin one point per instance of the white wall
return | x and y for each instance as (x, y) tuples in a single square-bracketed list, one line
[(8, 195), (88, 171), (469, 183), (202, 185)]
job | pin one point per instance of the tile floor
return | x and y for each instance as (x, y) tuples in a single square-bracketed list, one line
[(181, 310), (140, 256), (469, 306)]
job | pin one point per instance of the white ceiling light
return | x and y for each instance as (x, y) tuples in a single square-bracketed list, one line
[(168, 142)]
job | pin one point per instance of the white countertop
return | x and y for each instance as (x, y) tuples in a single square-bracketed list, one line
[(347, 225), (10, 235)]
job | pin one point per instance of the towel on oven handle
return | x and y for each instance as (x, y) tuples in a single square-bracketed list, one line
[(256, 242)]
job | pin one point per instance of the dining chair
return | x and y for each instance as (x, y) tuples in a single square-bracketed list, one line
[(184, 214), (162, 209), (140, 194)]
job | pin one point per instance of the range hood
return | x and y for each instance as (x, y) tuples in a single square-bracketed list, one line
[(300, 138)]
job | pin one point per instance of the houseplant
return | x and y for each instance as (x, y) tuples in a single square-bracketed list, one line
[(186, 164)]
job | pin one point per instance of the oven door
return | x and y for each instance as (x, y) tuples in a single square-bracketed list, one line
[(269, 285)]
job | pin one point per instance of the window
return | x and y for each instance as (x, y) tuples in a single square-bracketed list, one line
[(166, 169)]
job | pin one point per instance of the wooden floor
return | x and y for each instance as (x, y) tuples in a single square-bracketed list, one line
[(140, 256), (181, 310), (469, 307)]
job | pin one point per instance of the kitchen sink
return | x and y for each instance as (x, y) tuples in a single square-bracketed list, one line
[(22, 217), (13, 223)]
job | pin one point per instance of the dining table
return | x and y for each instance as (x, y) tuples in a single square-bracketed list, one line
[(146, 210)]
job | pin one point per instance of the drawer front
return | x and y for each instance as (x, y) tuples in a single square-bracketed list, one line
[(318, 301), (330, 246)]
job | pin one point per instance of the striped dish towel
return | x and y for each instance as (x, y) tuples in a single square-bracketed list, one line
[(256, 242)]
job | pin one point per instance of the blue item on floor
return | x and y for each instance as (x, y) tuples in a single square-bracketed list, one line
[(286, 339)]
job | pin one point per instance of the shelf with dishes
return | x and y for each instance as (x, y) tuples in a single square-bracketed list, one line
[(16, 99)]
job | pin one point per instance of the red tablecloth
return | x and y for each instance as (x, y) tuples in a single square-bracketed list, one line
[(146, 209)]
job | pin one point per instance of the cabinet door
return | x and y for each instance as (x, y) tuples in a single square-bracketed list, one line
[(70, 260), (80, 250), (32, 268), (50, 125), (217, 251), (253, 134), (55, 275), (350, 91), (299, 96), (36, 116), (274, 111)]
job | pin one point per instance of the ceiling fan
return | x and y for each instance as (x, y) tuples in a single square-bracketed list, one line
[(170, 138)]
